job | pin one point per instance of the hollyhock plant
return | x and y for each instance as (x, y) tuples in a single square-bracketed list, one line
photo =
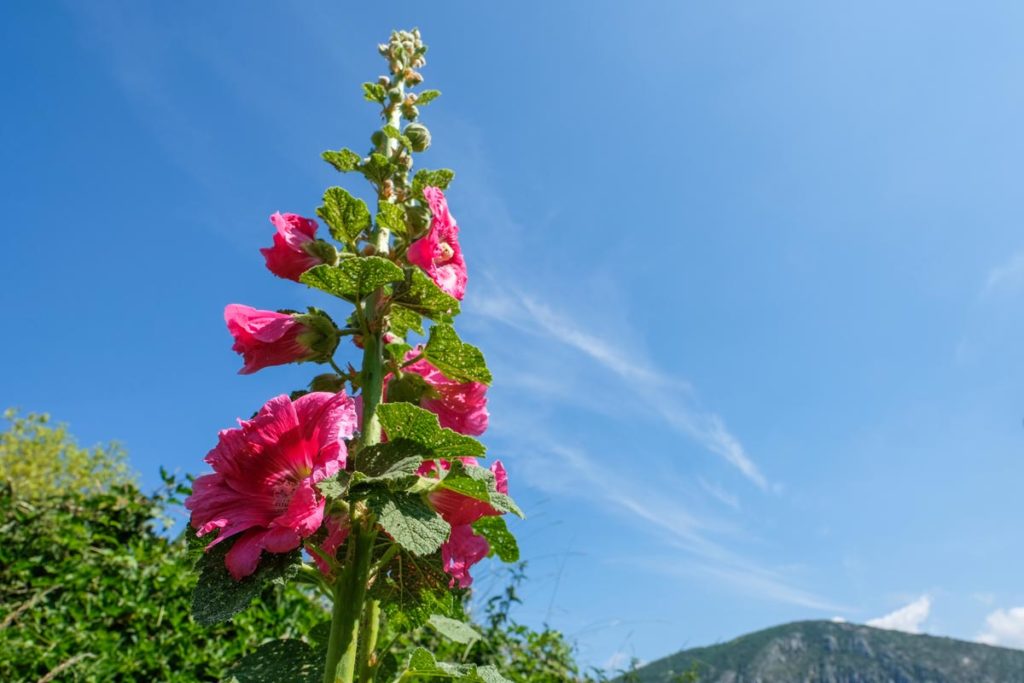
[(459, 406), (385, 522), (296, 248), (264, 476), (266, 338), (438, 253)]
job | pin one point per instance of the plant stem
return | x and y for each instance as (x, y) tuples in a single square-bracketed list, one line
[(349, 595), (368, 641)]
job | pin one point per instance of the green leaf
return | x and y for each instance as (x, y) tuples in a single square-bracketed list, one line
[(375, 92), (423, 665), (481, 484), (392, 217), (410, 521), (334, 487), (218, 597), (378, 168), (502, 542), (440, 178), (346, 216), (422, 296), (396, 134), (344, 160), (402, 321), (454, 630), (458, 360), (406, 421), (286, 659), (354, 278), (427, 96), (393, 463), (397, 351)]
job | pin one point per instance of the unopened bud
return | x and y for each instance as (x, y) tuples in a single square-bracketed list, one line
[(383, 80), (379, 138), (328, 382), (413, 78), (395, 95), (418, 136), (410, 113)]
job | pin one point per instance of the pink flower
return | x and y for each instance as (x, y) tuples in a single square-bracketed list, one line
[(461, 551), (459, 406), (264, 476), (266, 338), (463, 548), (438, 253), (293, 252)]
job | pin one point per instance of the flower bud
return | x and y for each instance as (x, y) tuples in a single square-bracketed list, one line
[(410, 112), (413, 78), (383, 80), (327, 382), (419, 136), (395, 95), (379, 139)]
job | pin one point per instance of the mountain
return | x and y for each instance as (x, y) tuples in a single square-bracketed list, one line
[(829, 652)]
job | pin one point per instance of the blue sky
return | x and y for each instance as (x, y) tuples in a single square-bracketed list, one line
[(749, 275)]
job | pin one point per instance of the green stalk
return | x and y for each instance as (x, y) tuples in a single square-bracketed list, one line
[(369, 630), (349, 595)]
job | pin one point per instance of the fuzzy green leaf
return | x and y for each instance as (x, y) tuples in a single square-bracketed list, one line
[(346, 216), (406, 421), (502, 542), (375, 92), (440, 178), (378, 168), (396, 134), (402, 321), (392, 217), (427, 96), (354, 278), (393, 463), (422, 296), (344, 160), (458, 360), (334, 487), (454, 630), (422, 664), (218, 597), (410, 521), (286, 659)]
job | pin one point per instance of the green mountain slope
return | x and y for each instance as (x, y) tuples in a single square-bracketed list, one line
[(828, 652)]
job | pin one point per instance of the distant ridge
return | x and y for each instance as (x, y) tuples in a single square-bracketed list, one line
[(830, 652)]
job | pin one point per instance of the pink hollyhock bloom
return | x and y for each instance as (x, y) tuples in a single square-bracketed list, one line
[(264, 476), (266, 338), (292, 253), (461, 551), (458, 509), (459, 406), (438, 253)]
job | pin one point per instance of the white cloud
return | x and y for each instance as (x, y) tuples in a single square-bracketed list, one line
[(907, 619), (668, 398), (1008, 276), (1004, 627)]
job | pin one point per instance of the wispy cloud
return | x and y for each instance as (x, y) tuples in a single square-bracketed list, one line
[(908, 618), (670, 399), (1008, 276)]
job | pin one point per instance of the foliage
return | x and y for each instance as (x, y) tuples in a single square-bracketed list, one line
[(39, 459), (91, 592)]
